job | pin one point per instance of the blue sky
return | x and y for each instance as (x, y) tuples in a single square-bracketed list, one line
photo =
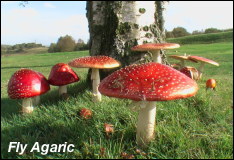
[(45, 21)]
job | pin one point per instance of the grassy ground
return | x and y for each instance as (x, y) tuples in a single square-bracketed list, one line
[(197, 127), (204, 38)]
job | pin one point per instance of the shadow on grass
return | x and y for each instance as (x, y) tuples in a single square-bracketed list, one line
[(202, 107), (26, 66), (10, 107), (44, 131)]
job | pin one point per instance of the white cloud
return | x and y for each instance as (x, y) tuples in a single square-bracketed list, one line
[(8, 2), (27, 25), (49, 5), (198, 15)]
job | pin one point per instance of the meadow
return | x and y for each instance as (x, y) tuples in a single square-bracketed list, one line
[(197, 127)]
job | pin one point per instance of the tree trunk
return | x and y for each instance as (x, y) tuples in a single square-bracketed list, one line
[(116, 26)]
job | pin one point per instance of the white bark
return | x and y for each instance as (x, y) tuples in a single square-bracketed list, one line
[(27, 105), (130, 14), (146, 124), (97, 97)]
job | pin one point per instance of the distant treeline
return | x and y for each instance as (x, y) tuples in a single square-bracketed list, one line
[(181, 32), (68, 44), (204, 38), (18, 48)]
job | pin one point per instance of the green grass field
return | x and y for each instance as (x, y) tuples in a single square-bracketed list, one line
[(197, 127), (204, 38)]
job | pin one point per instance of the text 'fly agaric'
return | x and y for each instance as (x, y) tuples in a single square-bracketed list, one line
[(148, 82)]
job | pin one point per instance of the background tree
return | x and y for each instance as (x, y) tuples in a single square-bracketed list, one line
[(53, 48), (116, 26), (212, 30), (197, 32), (180, 32), (66, 44), (169, 34)]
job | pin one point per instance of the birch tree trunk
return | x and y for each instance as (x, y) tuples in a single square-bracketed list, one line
[(116, 26)]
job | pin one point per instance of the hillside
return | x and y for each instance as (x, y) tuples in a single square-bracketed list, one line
[(203, 38)]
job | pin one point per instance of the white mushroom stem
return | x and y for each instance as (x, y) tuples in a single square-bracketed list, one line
[(36, 100), (27, 105), (137, 105), (62, 89), (200, 69), (96, 81), (156, 56), (146, 124)]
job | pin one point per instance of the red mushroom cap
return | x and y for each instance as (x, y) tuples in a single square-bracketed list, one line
[(202, 59), (26, 83), (155, 46), (150, 82), (61, 74), (210, 83), (94, 62), (181, 58)]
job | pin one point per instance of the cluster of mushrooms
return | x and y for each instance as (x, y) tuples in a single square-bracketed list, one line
[(144, 84)]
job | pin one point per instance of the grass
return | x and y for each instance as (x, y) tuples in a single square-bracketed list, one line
[(204, 38), (197, 127)]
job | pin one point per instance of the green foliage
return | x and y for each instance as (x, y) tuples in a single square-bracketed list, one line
[(66, 44), (18, 48), (180, 32), (169, 34), (212, 30), (53, 48), (203, 38), (197, 32)]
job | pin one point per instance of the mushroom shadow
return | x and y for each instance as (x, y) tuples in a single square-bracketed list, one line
[(10, 107), (44, 131), (201, 107), (25, 66)]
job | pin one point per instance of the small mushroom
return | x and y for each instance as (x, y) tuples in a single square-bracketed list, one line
[(182, 59), (86, 113), (211, 83), (191, 72), (155, 48), (61, 75), (202, 61), (96, 63), (148, 83), (26, 84)]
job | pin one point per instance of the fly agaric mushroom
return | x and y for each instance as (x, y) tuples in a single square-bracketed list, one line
[(191, 72), (155, 48), (182, 59), (26, 84), (96, 63), (148, 83), (86, 113), (202, 60), (210, 83), (61, 75)]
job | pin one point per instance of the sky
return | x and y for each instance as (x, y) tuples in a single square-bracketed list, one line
[(44, 22)]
